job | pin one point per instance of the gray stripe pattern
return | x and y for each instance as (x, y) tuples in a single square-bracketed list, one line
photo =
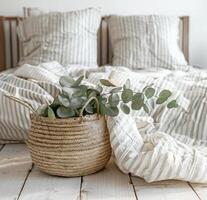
[(69, 38), (141, 42), (14, 118), (167, 144)]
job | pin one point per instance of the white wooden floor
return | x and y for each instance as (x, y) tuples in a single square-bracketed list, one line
[(21, 180)]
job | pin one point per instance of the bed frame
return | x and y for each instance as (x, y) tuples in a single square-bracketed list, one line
[(10, 48)]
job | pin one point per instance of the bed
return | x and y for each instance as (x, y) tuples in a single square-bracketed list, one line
[(162, 145)]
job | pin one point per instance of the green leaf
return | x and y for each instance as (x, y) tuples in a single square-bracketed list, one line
[(172, 104), (115, 90), (51, 114), (137, 101), (79, 91), (161, 100), (127, 84), (101, 108), (149, 92), (56, 102), (114, 99), (127, 95), (165, 94), (125, 108), (111, 111), (145, 107), (102, 99), (64, 112), (68, 91), (107, 83), (64, 101), (66, 81), (42, 110), (144, 88), (76, 103), (78, 81)]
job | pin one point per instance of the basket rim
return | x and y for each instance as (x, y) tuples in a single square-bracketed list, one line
[(86, 118)]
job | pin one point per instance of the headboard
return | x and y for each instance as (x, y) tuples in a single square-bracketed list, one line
[(106, 51), (10, 48)]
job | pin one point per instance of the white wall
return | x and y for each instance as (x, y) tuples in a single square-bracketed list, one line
[(196, 9)]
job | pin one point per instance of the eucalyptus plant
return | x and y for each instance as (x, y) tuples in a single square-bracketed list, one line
[(75, 94)]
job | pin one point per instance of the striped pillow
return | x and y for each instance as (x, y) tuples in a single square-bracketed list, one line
[(140, 42), (68, 38)]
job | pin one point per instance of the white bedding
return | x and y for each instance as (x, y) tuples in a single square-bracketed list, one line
[(167, 144)]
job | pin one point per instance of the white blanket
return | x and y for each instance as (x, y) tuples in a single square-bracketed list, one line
[(166, 144)]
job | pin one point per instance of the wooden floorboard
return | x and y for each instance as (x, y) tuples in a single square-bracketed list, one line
[(108, 184), (15, 164), (201, 190), (40, 186), (164, 190), (20, 181), (1, 146)]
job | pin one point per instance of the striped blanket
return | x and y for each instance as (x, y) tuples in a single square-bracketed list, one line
[(166, 144)]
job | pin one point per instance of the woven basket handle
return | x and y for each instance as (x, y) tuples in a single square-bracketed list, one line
[(86, 104), (21, 101)]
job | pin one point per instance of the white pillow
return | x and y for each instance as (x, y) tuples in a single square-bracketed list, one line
[(68, 38), (140, 42)]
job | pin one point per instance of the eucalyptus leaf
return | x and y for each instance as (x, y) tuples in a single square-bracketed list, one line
[(78, 81), (172, 104), (144, 88), (111, 111), (161, 100), (66, 81), (64, 112), (137, 101), (76, 103), (56, 102), (80, 91), (125, 108), (64, 101), (83, 88), (75, 94), (102, 99), (127, 95), (101, 108), (51, 114), (107, 83), (127, 84), (114, 99), (68, 91), (149, 92), (165, 94), (42, 110), (145, 107)]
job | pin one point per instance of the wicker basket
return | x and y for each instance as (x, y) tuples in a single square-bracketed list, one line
[(69, 147)]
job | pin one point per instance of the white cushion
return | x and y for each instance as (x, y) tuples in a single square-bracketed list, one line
[(68, 38), (140, 42)]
